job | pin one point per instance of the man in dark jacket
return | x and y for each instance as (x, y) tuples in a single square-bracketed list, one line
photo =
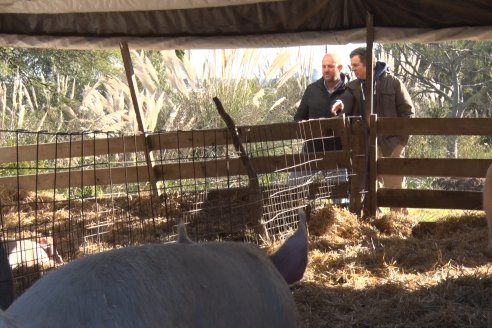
[(317, 102), (319, 98), (391, 99)]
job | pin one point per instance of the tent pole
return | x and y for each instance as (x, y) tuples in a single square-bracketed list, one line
[(130, 76)]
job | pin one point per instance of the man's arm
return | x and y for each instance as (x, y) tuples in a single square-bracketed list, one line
[(404, 104), (348, 101)]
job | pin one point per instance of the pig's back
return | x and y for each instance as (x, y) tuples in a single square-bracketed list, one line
[(176, 285)]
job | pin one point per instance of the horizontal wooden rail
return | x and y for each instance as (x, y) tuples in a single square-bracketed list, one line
[(261, 165), (77, 178), (175, 171), (466, 200), (73, 149), (173, 140), (248, 134), (449, 167), (434, 126)]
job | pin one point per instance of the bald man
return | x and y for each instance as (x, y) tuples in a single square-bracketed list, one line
[(319, 98), (317, 102)]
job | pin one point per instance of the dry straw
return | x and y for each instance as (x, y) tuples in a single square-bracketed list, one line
[(391, 272)]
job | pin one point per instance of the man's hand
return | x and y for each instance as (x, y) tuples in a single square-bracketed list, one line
[(336, 108)]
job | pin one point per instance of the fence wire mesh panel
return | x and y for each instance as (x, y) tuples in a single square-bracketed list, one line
[(67, 195)]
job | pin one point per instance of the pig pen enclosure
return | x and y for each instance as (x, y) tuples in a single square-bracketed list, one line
[(88, 192), (68, 195)]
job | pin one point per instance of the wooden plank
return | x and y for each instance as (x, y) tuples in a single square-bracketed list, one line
[(77, 178), (447, 167), (248, 134), (186, 139), (171, 140), (132, 82), (466, 200), (76, 148), (369, 63), (175, 171), (359, 166), (372, 178), (261, 165), (344, 136), (434, 126)]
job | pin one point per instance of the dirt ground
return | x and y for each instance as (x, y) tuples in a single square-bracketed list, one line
[(396, 272)]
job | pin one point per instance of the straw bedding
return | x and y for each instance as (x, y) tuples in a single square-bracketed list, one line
[(396, 272)]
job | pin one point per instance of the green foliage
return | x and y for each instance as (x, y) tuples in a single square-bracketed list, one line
[(179, 53), (419, 182), (44, 88), (426, 147), (65, 90), (473, 147), (87, 66), (454, 75), (448, 79), (84, 192)]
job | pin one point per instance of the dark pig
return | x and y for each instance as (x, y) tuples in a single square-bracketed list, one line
[(6, 321), (6, 280)]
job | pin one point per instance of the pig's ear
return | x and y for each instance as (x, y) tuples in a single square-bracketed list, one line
[(46, 246), (292, 257), (43, 242), (182, 234)]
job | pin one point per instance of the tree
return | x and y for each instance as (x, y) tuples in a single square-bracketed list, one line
[(451, 78), (41, 68)]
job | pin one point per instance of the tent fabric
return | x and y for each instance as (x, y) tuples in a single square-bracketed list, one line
[(175, 24), (85, 6)]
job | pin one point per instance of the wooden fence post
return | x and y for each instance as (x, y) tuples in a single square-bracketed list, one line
[(368, 92), (358, 178), (372, 204), (127, 61)]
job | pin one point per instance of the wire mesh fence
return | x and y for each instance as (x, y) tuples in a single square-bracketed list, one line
[(64, 196)]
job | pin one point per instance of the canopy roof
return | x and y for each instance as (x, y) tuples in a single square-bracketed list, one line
[(184, 24)]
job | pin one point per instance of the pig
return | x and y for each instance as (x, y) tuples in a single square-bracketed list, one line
[(6, 281), (182, 284), (487, 206), (28, 253), (6, 321)]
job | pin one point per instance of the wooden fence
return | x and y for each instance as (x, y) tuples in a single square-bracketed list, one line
[(110, 190), (177, 165), (352, 156), (90, 192), (426, 167)]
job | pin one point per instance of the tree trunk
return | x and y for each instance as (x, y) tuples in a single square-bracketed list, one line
[(452, 147)]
